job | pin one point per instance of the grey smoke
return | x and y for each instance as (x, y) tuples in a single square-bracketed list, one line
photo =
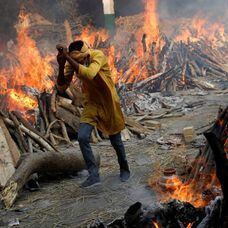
[(216, 10)]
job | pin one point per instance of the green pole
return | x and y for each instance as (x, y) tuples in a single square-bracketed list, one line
[(109, 15)]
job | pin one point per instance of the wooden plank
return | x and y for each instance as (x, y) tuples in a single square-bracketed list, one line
[(6, 162), (15, 152), (135, 126)]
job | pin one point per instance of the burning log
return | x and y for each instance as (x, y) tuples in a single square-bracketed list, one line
[(221, 172), (50, 161)]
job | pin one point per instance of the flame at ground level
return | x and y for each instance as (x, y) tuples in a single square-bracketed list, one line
[(191, 192)]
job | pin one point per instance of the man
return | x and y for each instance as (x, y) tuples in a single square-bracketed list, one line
[(102, 106)]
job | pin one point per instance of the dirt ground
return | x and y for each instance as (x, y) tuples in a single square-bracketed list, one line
[(62, 203)]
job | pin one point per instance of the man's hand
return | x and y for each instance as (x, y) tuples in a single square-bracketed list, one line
[(61, 57)]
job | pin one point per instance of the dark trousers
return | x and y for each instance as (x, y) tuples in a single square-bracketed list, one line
[(84, 135)]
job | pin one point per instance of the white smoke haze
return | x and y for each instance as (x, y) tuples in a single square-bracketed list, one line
[(215, 10)]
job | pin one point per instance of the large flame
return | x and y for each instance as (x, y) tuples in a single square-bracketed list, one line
[(28, 68), (201, 28), (151, 23), (92, 36)]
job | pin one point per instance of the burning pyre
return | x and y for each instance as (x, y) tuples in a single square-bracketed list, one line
[(26, 71)]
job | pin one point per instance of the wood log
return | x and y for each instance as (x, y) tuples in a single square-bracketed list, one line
[(97, 134), (30, 146), (221, 162), (42, 109), (68, 118), (93, 138), (69, 93), (64, 132), (6, 161), (53, 100), (12, 145), (36, 137), (72, 108), (21, 141), (64, 162), (135, 127)]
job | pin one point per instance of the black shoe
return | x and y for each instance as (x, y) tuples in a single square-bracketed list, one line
[(124, 175), (91, 181)]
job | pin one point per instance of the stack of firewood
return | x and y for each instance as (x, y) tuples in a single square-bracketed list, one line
[(181, 65)]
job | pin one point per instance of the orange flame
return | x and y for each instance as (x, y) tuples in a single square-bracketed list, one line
[(89, 35), (30, 69), (151, 25), (187, 192), (155, 224), (200, 28), (189, 225), (20, 101)]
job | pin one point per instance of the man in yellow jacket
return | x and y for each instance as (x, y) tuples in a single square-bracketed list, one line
[(102, 106)]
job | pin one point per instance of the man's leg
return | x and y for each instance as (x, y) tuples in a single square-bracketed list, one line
[(118, 145), (84, 135)]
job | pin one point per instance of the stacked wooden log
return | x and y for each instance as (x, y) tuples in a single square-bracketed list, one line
[(181, 65)]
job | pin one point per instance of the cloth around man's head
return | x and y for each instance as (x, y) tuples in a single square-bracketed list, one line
[(82, 54)]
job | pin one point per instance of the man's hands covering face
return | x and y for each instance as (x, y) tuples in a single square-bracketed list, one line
[(62, 52)]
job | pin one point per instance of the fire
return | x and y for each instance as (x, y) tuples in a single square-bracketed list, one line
[(201, 28), (28, 68), (19, 100), (190, 225), (151, 24), (155, 224), (187, 192), (150, 28), (91, 36)]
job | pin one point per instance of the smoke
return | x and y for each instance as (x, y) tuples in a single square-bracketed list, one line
[(215, 10), (57, 11), (128, 7)]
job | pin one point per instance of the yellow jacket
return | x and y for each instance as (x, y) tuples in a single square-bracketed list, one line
[(102, 106)]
